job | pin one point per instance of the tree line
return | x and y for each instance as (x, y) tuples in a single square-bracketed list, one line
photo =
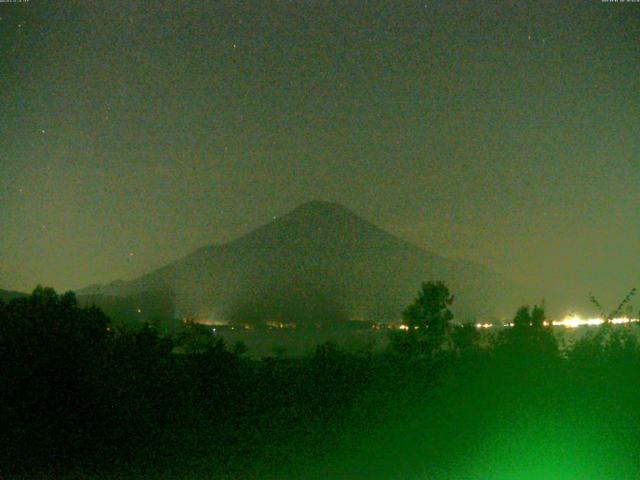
[(80, 394)]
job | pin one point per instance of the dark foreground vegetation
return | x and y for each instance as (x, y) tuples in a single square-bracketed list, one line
[(80, 398)]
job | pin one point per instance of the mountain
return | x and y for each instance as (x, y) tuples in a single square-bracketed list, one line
[(6, 295), (319, 262)]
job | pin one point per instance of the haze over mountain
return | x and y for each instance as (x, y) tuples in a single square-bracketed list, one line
[(320, 262)]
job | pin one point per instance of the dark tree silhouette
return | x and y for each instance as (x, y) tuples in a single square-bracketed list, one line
[(428, 318), (466, 338), (530, 338), (625, 303), (49, 350)]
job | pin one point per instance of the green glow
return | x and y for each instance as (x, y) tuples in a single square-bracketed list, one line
[(552, 449)]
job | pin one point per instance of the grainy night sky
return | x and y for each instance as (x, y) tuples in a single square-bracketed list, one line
[(135, 132)]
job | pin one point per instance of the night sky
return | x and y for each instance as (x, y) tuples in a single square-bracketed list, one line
[(132, 133)]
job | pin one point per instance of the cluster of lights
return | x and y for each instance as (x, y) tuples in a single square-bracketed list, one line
[(573, 321), (280, 325), (484, 325), (570, 321)]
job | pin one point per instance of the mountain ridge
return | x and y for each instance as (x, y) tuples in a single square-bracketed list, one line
[(8, 295), (320, 260)]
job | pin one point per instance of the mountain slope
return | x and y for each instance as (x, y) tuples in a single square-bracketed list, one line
[(7, 295), (319, 262)]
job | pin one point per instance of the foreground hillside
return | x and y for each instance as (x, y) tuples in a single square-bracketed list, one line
[(80, 399)]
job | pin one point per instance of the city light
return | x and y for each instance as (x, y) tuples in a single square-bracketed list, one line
[(574, 321)]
